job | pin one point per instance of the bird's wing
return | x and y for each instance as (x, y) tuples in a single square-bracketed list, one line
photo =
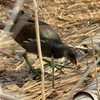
[(31, 46)]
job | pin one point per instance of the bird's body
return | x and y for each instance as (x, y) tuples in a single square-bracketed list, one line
[(51, 43)]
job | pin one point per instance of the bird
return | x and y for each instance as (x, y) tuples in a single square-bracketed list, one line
[(51, 43)]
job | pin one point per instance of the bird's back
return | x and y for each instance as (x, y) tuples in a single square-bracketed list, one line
[(46, 32), (27, 37)]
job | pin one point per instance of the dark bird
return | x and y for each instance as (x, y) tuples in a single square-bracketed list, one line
[(51, 44)]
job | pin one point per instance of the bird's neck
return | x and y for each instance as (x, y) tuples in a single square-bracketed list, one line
[(57, 51)]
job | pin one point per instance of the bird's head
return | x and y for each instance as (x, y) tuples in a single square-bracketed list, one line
[(70, 53)]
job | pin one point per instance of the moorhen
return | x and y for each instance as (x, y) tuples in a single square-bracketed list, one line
[(51, 43)]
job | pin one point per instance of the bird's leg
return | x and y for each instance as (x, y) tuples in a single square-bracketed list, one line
[(29, 64)]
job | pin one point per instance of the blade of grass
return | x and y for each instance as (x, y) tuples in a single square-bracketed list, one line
[(13, 50), (53, 70)]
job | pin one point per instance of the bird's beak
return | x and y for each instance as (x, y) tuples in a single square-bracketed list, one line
[(75, 63)]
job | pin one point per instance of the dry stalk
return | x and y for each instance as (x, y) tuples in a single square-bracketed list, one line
[(39, 49), (94, 59), (5, 96)]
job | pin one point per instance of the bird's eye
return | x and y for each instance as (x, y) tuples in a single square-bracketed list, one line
[(21, 12)]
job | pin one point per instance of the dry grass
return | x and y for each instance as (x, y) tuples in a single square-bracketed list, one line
[(72, 20)]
